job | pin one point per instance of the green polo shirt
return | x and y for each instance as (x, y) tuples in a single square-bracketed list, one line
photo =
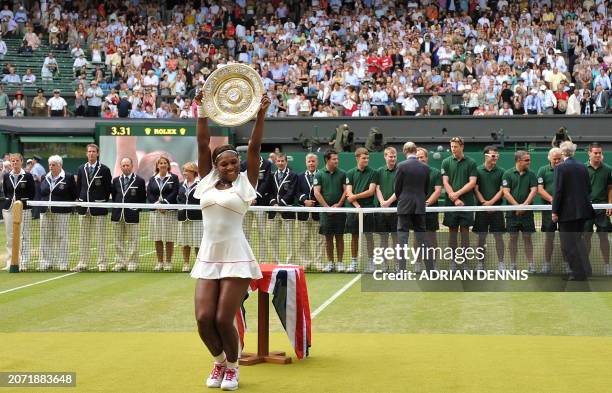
[(360, 181), (519, 185), (601, 178), (331, 184), (386, 180), (489, 181), (435, 179), (546, 178), (459, 173)]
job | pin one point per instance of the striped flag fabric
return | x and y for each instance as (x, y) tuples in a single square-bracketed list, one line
[(287, 285)]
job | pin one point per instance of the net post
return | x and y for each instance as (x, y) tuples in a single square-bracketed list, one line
[(16, 250)]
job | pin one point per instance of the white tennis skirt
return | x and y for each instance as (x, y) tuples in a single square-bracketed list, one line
[(231, 257), (163, 226), (190, 233)]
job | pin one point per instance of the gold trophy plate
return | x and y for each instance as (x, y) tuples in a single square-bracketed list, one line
[(232, 95)]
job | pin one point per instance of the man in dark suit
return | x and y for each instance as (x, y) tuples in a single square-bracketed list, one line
[(310, 241), (258, 218), (127, 188), (411, 185), (18, 186), (282, 193), (56, 186), (571, 207), (94, 185)]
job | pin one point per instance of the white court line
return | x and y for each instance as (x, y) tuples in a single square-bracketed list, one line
[(146, 253), (38, 282), (334, 297)]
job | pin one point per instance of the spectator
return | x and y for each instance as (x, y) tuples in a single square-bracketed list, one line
[(32, 40), (11, 78), (94, 96), (29, 78), (77, 51), (3, 49), (505, 110), (80, 102), (79, 63), (601, 98), (410, 105), (39, 104), (435, 105), (49, 68), (4, 102), (58, 107), (573, 104), (19, 105), (587, 104)]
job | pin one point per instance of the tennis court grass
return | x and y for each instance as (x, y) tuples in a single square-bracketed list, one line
[(136, 333)]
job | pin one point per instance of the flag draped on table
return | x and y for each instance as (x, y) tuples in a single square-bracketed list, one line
[(287, 284)]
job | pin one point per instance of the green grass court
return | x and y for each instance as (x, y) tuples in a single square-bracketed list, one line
[(136, 333)]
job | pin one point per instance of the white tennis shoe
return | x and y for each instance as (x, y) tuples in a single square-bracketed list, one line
[(216, 376), (230, 379)]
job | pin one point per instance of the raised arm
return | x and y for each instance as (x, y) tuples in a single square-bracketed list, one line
[(254, 148), (203, 138)]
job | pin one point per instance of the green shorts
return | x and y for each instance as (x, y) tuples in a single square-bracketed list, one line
[(601, 222), (524, 223), (352, 223), (332, 223), (432, 222), (492, 222), (548, 225), (458, 219)]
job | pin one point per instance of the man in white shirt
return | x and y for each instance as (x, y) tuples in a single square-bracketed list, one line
[(79, 62), (77, 51), (573, 104), (548, 99), (151, 80), (57, 105), (293, 104), (410, 105)]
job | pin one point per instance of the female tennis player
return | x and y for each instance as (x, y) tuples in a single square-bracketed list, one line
[(225, 264)]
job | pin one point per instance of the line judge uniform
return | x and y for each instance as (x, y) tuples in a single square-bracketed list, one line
[(127, 189), (54, 221), (258, 218), (310, 241), (190, 221), (18, 187), (94, 185), (163, 223), (282, 193)]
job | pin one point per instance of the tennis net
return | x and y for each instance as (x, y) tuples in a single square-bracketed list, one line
[(358, 240)]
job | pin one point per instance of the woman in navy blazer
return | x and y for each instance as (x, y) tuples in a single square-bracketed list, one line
[(163, 189)]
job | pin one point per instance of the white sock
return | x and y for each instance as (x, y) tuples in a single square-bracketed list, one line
[(232, 365), (220, 358), (353, 260)]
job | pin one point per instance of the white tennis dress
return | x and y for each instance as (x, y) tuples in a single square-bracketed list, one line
[(224, 250)]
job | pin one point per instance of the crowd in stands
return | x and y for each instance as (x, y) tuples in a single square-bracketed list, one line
[(325, 57)]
